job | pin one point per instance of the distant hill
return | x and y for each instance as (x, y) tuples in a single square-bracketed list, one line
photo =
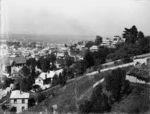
[(50, 38)]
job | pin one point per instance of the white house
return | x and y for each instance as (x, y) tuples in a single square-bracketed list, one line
[(19, 100), (44, 79), (94, 48), (106, 42), (140, 59), (117, 40)]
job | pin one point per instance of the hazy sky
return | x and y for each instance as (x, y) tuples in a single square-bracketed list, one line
[(76, 17)]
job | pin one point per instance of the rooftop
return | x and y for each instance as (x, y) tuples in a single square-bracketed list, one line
[(18, 94)]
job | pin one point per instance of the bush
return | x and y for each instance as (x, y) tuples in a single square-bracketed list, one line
[(85, 107)]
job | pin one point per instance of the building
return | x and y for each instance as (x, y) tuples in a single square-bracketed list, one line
[(19, 100), (44, 79), (7, 63), (93, 48), (140, 59), (106, 42), (117, 40)]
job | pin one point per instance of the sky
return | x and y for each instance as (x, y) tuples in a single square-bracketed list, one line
[(74, 17)]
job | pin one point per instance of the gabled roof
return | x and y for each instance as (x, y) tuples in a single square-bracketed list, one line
[(7, 61), (18, 94), (57, 72), (94, 47), (44, 75), (19, 60)]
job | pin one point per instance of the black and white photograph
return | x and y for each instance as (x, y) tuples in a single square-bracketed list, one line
[(74, 56)]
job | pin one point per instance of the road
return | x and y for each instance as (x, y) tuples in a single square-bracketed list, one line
[(111, 68)]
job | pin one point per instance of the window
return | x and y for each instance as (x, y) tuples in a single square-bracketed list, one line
[(23, 108), (15, 101), (23, 101)]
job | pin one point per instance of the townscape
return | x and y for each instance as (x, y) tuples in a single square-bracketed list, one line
[(74, 57), (93, 75)]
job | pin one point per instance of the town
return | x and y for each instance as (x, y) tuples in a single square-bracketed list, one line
[(33, 73)]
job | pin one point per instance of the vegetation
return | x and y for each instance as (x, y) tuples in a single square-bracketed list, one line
[(104, 95)]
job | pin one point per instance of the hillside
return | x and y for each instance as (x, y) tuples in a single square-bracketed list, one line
[(69, 97), (66, 97)]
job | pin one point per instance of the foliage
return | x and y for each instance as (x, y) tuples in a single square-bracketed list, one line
[(31, 61), (98, 40), (68, 61), (85, 107), (31, 102), (89, 58), (130, 35), (55, 80), (116, 83), (98, 102), (89, 44), (13, 109), (80, 67), (62, 78), (135, 44), (126, 50)]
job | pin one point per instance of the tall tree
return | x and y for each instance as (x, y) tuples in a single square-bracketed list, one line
[(89, 58), (130, 35), (98, 40), (89, 44)]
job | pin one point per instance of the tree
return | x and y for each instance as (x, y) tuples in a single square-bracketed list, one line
[(99, 100), (130, 35), (80, 67), (140, 35), (13, 110), (116, 83), (98, 40), (62, 79), (89, 58), (31, 61), (25, 71), (144, 43), (89, 44), (126, 50), (55, 80), (85, 107), (68, 61)]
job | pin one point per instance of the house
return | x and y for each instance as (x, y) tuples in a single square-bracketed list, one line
[(60, 55), (19, 100), (117, 39), (93, 48), (140, 59), (7, 63), (44, 79), (106, 42)]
